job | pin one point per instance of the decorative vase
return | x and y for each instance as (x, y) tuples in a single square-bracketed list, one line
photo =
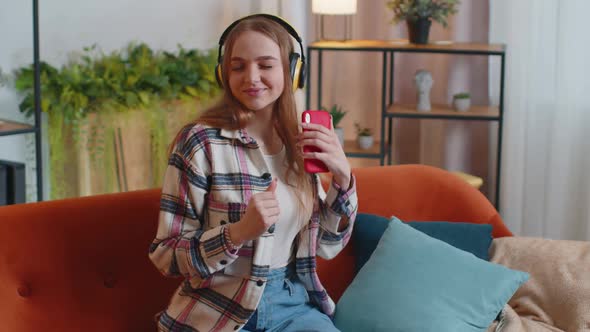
[(423, 81), (365, 142), (462, 104), (340, 133), (418, 30)]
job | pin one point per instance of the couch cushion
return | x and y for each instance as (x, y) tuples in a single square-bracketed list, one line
[(414, 282), (473, 238), (81, 264), (558, 293)]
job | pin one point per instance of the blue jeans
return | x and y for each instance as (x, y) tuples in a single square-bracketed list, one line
[(285, 307)]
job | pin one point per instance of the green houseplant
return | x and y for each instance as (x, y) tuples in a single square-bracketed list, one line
[(104, 109), (419, 15), (462, 101), (364, 136), (337, 113)]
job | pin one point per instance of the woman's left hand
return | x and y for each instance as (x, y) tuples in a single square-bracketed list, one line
[(332, 154)]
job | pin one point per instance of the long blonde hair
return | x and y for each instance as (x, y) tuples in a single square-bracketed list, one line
[(230, 114)]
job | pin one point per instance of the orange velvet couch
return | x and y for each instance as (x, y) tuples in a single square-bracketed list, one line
[(81, 264)]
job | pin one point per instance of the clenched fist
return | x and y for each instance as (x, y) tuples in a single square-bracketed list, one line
[(261, 213)]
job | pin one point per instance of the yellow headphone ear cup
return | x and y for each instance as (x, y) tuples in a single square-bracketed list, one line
[(297, 75), (218, 75), (302, 75), (296, 69)]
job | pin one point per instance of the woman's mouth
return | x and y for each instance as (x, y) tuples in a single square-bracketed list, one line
[(253, 92)]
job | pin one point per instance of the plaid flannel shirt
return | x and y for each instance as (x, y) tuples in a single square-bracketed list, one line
[(211, 175)]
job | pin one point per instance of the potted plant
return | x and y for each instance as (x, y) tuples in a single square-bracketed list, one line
[(419, 15), (116, 111), (364, 137), (462, 101), (337, 114)]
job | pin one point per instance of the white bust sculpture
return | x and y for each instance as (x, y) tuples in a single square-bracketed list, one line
[(424, 81)]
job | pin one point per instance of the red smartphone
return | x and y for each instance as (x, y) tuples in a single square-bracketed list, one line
[(318, 117)]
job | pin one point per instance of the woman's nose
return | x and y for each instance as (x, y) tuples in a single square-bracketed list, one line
[(253, 74)]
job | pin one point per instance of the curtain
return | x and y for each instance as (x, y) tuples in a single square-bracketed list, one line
[(545, 187)]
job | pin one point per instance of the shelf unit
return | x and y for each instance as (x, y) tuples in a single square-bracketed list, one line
[(8, 128), (391, 110)]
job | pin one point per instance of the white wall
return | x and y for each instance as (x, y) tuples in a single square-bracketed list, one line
[(16, 43), (70, 25)]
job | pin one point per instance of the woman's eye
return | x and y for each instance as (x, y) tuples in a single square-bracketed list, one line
[(237, 68), (265, 66)]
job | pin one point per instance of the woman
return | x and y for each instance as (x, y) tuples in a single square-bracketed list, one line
[(240, 220)]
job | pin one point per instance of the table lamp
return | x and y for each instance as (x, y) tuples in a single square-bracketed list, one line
[(335, 7)]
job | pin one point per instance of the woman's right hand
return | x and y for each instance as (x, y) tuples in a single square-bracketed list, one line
[(261, 213)]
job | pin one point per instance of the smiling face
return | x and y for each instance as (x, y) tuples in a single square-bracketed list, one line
[(256, 75)]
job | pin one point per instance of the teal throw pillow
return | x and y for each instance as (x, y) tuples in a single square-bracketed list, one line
[(366, 233), (470, 237), (368, 229), (414, 282)]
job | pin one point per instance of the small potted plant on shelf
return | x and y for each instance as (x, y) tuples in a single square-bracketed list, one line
[(337, 114), (462, 101), (364, 137), (419, 15)]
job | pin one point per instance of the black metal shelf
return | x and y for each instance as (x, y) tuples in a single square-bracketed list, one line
[(390, 110), (444, 112), (352, 150), (363, 155), (16, 128), (444, 117), (8, 128), (402, 45)]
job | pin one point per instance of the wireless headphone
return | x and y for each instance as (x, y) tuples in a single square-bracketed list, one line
[(296, 60)]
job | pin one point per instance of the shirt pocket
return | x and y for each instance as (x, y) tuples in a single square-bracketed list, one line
[(221, 213)]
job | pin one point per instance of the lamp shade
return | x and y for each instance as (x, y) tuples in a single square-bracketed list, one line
[(333, 7)]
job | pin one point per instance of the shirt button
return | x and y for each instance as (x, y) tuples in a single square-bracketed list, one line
[(271, 229), (223, 222), (260, 283), (236, 327), (223, 262), (266, 176)]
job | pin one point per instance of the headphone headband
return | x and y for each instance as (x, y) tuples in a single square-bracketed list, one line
[(274, 18)]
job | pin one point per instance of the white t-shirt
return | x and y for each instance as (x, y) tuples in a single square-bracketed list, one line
[(290, 219)]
